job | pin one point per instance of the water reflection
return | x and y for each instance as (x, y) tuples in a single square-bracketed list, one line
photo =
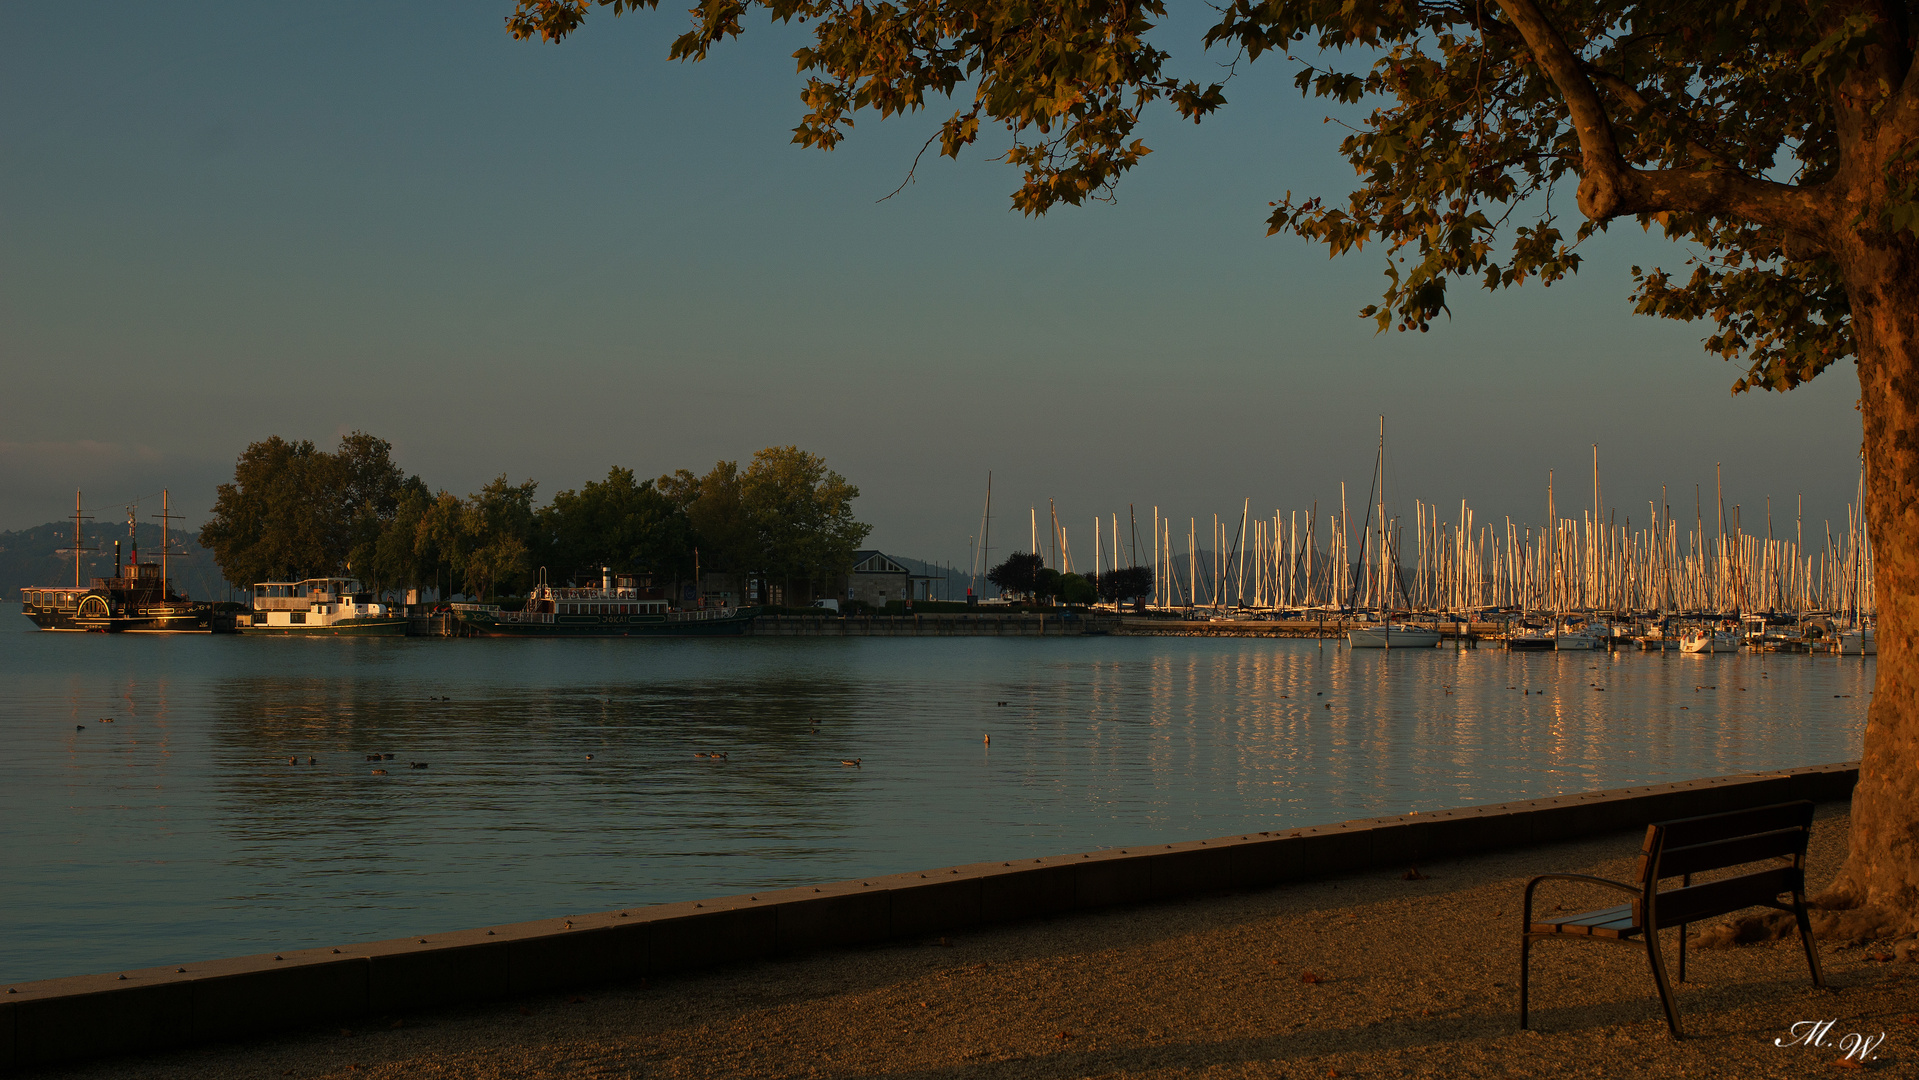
[(563, 776)]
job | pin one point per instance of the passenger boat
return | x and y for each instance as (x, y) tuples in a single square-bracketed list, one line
[(620, 607), (329, 606), (1392, 636), (138, 599)]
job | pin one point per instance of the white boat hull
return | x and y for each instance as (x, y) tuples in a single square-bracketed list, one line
[(1708, 643), (1393, 637), (1570, 642), (1855, 643)]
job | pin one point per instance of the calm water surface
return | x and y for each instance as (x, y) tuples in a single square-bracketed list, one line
[(181, 832)]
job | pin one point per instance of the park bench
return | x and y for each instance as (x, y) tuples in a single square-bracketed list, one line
[(1774, 836)]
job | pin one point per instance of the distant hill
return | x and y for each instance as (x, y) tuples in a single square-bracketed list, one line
[(27, 559)]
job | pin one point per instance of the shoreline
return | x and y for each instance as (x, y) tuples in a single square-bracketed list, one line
[(61, 1020)]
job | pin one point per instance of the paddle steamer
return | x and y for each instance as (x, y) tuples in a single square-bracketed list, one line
[(137, 599)]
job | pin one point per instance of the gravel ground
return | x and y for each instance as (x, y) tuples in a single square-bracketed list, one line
[(1370, 975)]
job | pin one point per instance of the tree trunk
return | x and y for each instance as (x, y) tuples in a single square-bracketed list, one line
[(1877, 892)]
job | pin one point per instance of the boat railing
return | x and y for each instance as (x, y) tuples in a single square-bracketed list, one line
[(700, 614), (522, 616), (477, 609)]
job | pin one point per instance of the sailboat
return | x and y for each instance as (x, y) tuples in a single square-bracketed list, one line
[(1387, 635)]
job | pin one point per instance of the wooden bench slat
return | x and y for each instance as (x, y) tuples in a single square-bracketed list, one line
[(1606, 922), (1739, 850), (1716, 898), (1686, 832)]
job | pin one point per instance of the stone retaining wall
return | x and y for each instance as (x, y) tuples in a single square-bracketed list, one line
[(128, 1012)]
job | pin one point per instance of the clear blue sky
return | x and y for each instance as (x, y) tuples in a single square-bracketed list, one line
[(225, 221)]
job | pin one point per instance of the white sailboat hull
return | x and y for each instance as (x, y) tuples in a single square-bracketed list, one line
[(1392, 637)]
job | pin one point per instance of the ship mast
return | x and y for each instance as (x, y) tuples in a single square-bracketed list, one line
[(79, 543), (167, 517)]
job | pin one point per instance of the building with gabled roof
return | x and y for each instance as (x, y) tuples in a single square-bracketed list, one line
[(876, 578)]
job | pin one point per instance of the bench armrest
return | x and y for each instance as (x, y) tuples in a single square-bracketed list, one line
[(1527, 915)]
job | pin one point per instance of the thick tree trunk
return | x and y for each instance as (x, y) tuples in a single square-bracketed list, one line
[(1877, 892)]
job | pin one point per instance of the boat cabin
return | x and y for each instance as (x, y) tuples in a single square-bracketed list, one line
[(320, 601), (618, 594)]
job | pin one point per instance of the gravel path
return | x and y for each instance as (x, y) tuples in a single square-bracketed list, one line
[(1408, 979)]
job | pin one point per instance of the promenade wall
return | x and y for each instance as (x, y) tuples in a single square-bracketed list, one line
[(58, 1020)]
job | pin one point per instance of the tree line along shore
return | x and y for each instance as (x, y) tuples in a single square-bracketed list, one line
[(781, 525)]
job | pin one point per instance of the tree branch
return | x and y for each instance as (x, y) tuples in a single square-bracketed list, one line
[(1610, 188), (1603, 171), (1637, 102)]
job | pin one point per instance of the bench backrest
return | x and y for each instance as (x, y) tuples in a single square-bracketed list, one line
[(1718, 842)]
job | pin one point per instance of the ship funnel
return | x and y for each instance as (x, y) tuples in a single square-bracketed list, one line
[(606, 579)]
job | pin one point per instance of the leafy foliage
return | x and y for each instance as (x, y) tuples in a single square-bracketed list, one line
[(621, 522), (1769, 136), (294, 511), (1125, 583), (786, 517), (1019, 574)]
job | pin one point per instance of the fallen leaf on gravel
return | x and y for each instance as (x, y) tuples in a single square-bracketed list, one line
[(1880, 958), (576, 1001), (1309, 977), (395, 1024), (524, 1011), (1412, 874), (1846, 1063), (1909, 1019)]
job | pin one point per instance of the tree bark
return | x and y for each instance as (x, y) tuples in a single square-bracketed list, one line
[(1877, 891)]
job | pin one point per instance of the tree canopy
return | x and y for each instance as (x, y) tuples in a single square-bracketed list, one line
[(294, 511), (1019, 574)]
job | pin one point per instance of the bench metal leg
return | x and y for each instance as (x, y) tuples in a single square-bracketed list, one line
[(1682, 952), (1525, 958), (1805, 938), (1658, 961)]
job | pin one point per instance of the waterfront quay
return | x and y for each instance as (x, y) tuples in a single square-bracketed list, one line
[(1073, 624), (1333, 925)]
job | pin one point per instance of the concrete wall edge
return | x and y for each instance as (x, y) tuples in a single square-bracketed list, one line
[(550, 954)]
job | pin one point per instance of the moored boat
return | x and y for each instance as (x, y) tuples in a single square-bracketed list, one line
[(1392, 636), (1698, 640), (1582, 637), (137, 599), (1858, 643), (620, 607), (329, 606)]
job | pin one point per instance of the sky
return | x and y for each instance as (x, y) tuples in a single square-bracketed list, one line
[(229, 221)]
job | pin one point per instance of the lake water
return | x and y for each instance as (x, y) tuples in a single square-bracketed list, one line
[(563, 776)]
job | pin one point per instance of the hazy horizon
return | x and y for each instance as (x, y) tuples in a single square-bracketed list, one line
[(546, 261)]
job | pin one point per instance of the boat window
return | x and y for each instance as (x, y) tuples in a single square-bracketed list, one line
[(296, 616)]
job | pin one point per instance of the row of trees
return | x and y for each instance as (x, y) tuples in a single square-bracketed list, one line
[(1025, 573), (294, 511)]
